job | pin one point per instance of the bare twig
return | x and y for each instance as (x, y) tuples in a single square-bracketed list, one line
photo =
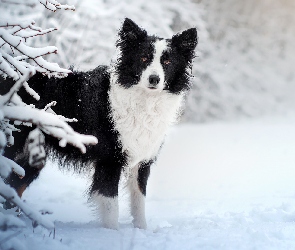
[(54, 5)]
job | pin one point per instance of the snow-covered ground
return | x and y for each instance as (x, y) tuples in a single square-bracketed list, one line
[(225, 185)]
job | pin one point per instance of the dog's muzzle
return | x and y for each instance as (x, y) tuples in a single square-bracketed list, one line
[(153, 81)]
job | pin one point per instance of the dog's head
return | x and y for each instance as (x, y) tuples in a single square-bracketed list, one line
[(153, 63)]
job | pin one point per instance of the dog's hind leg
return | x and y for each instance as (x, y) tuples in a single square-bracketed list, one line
[(104, 193), (20, 184), (137, 186), (29, 153)]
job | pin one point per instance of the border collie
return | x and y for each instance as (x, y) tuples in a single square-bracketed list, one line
[(128, 107)]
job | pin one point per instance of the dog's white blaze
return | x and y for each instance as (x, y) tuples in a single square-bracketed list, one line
[(137, 200), (108, 210), (142, 118), (155, 68)]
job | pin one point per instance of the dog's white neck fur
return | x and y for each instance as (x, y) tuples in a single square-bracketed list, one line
[(142, 118)]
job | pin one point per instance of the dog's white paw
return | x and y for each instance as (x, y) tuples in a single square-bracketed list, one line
[(110, 224), (141, 224), (108, 210)]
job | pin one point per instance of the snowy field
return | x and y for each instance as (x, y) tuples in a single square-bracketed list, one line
[(225, 185)]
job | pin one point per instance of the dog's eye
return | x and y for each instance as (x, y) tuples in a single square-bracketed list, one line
[(167, 62), (144, 59)]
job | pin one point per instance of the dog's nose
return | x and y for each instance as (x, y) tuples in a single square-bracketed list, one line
[(154, 80)]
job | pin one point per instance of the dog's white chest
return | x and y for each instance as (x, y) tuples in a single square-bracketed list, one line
[(142, 118)]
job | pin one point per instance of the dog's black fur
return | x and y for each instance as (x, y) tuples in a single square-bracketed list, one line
[(83, 95)]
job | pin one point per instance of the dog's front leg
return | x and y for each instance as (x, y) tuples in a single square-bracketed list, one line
[(108, 210), (137, 186), (104, 193)]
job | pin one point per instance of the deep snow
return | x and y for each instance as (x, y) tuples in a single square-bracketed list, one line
[(225, 185)]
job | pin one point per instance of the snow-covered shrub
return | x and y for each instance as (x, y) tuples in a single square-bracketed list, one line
[(20, 61), (245, 60), (244, 56)]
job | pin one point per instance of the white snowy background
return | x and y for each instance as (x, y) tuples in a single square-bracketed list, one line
[(226, 176), (224, 185)]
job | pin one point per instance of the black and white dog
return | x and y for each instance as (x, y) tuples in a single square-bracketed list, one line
[(128, 107)]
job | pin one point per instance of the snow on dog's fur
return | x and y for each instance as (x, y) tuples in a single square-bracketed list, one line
[(128, 107)]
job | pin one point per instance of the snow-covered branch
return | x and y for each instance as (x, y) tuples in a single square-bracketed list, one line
[(48, 4), (13, 36), (20, 61), (50, 124), (54, 5), (10, 195), (15, 66)]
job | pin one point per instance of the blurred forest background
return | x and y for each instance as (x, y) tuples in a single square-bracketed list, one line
[(245, 57)]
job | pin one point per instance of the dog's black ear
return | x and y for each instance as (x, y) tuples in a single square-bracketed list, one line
[(186, 42), (131, 32)]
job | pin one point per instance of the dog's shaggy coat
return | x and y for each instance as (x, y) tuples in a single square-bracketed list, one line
[(128, 107)]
